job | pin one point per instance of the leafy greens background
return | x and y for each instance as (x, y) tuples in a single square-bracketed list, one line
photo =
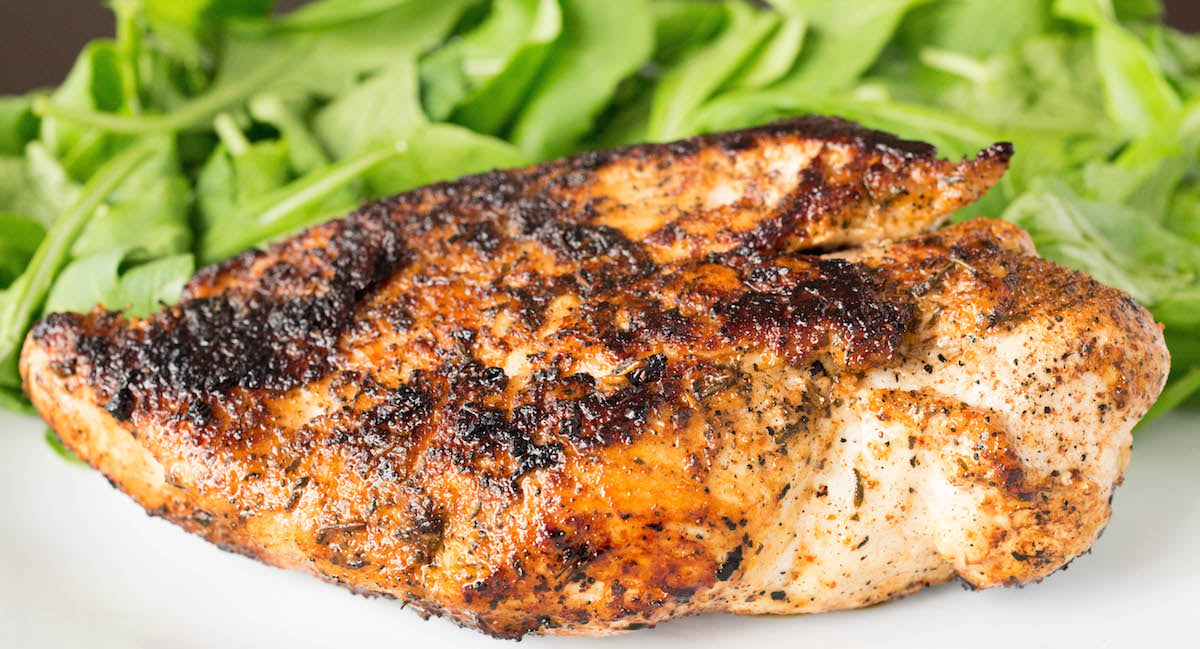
[(208, 126)]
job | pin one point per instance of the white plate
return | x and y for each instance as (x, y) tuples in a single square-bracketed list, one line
[(82, 566)]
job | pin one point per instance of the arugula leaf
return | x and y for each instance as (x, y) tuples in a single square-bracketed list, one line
[(842, 45), (19, 239), (837, 51), (146, 288), (305, 153), (20, 192), (1133, 10), (94, 84), (386, 107), (686, 86), (442, 152), (188, 28), (325, 48), (13, 399), (188, 115), (18, 124), (21, 301), (1137, 94), (977, 28), (680, 25), (229, 181), (602, 43), (148, 213), (775, 58), (100, 279), (334, 14), (50, 188), (287, 58), (1179, 56), (287, 208), (481, 77), (1177, 392), (1183, 212)]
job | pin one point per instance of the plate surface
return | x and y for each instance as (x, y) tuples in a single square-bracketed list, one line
[(82, 566)]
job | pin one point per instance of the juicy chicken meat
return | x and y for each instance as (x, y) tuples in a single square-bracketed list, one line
[(734, 373)]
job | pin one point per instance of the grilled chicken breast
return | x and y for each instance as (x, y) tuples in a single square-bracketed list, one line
[(739, 372)]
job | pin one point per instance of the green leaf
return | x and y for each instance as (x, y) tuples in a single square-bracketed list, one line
[(1131, 10), (327, 47), (491, 108), (602, 43), (228, 182), (1179, 56), (1178, 391), (838, 49), (680, 25), (50, 188), (304, 151), (498, 60), (331, 15), (20, 192), (1183, 213), (21, 301), (14, 399), (686, 86), (187, 27), (19, 239), (842, 44), (1137, 93), (288, 208), (385, 106), (146, 288), (148, 213), (18, 124), (775, 58), (100, 279), (93, 85), (286, 59), (86, 282), (188, 115), (978, 28), (442, 152)]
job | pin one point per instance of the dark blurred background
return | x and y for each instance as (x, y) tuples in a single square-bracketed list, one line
[(39, 38)]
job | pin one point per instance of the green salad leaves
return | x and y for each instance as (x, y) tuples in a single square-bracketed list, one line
[(205, 127)]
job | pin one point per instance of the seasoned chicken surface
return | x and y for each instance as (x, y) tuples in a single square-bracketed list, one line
[(735, 373)]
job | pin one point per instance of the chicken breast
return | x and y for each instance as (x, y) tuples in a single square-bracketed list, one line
[(734, 373)]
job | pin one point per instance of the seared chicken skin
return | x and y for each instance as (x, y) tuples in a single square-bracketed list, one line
[(735, 373)]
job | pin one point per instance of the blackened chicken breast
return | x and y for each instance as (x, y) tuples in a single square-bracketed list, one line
[(742, 372)]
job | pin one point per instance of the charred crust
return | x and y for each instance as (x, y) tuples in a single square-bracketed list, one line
[(1000, 151), (797, 310), (260, 339), (730, 564), (580, 242), (648, 370)]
